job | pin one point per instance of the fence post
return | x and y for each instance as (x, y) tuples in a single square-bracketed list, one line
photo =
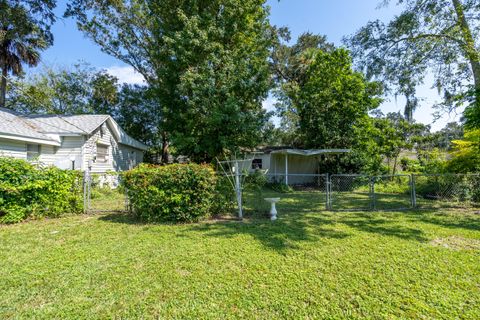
[(413, 191), (84, 184), (372, 193), (327, 192)]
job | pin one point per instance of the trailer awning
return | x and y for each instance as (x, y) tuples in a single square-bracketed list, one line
[(310, 152)]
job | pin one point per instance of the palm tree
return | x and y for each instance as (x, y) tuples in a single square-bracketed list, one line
[(13, 54), (24, 32)]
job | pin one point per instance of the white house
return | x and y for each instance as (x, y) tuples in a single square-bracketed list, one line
[(69, 142)]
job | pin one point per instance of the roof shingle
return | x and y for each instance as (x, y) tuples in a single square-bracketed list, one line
[(13, 124)]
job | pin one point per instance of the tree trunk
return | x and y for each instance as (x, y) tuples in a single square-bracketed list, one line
[(3, 86), (165, 145), (395, 164), (469, 46)]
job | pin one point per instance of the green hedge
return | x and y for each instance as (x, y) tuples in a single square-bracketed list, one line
[(177, 192), (28, 190)]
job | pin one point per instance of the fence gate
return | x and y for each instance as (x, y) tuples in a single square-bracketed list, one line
[(102, 192), (349, 192), (391, 192)]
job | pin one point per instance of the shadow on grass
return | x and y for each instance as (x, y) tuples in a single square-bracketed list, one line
[(292, 229), (303, 219), (123, 217), (385, 225), (454, 219), (285, 233)]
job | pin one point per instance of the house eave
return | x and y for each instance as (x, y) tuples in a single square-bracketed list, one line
[(29, 139), (118, 132), (142, 147)]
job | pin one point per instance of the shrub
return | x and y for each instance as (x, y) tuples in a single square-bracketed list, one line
[(393, 186), (432, 161), (224, 200), (450, 186), (466, 153), (27, 190), (410, 165), (177, 192), (279, 187), (256, 180)]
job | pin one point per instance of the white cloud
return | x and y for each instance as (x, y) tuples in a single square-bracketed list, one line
[(126, 74)]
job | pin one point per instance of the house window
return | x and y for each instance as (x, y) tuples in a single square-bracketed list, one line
[(102, 153), (33, 151), (257, 164)]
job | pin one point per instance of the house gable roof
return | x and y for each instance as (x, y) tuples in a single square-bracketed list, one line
[(65, 125)]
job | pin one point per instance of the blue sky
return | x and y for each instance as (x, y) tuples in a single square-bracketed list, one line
[(335, 19)]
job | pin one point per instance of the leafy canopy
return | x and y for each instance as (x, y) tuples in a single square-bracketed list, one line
[(207, 62), (334, 101), (428, 37), (289, 68), (466, 153), (77, 90)]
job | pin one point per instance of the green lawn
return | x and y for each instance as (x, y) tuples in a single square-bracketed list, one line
[(106, 199), (308, 264)]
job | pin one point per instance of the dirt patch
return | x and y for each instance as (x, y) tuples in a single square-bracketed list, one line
[(457, 243)]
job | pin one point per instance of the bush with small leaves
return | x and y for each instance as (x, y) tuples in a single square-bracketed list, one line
[(175, 193), (30, 191)]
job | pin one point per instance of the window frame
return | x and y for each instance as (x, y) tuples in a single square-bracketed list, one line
[(257, 164), (33, 155), (105, 156)]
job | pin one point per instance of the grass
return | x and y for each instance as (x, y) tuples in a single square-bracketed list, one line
[(106, 199), (308, 264)]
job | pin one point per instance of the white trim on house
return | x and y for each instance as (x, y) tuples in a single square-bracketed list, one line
[(123, 137), (26, 139), (310, 152)]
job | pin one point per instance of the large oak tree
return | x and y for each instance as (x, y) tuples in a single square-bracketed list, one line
[(206, 60)]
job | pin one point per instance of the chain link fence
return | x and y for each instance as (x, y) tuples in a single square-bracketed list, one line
[(400, 192), (392, 192), (103, 192), (316, 192), (349, 192), (446, 191), (357, 192)]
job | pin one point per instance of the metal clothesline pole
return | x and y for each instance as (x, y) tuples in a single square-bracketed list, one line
[(238, 190), (286, 169)]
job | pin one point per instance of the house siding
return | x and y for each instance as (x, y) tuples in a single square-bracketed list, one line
[(71, 148), (47, 155), (12, 148), (120, 157), (265, 162)]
